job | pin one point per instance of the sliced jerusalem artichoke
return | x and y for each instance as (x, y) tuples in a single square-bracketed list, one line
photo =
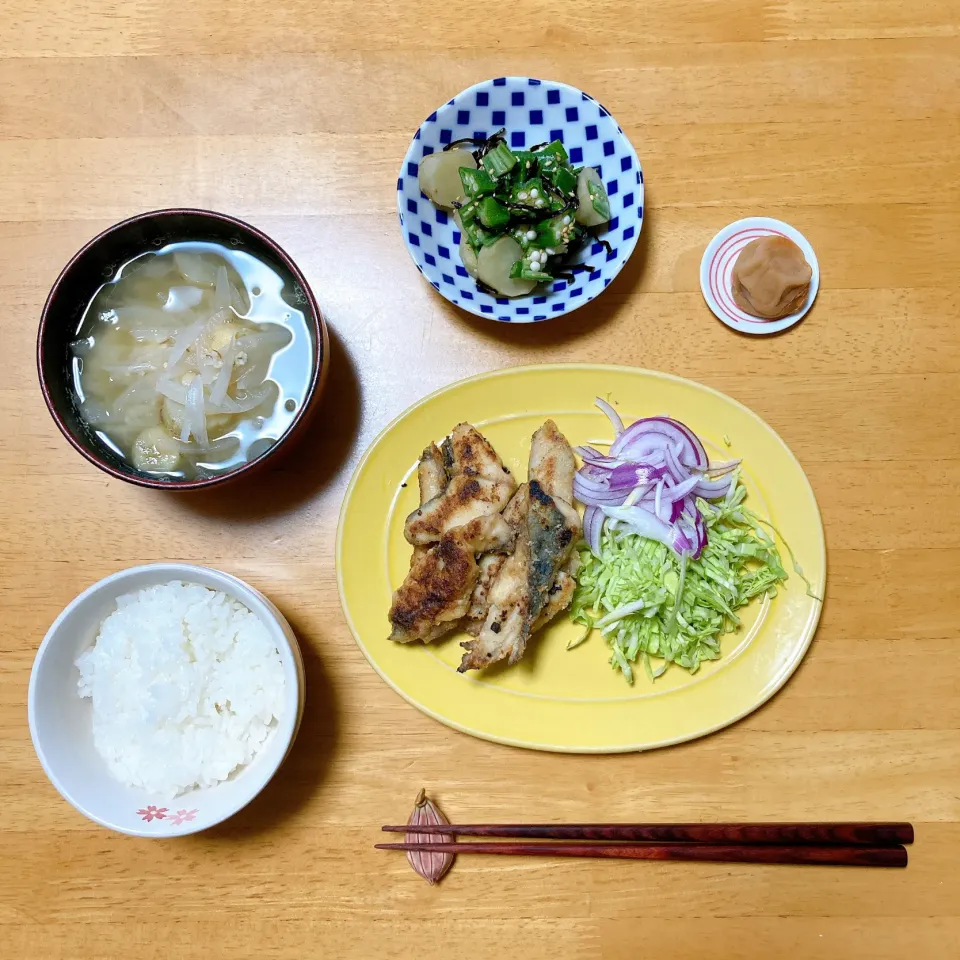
[(439, 175), (494, 264), (469, 258), (594, 208)]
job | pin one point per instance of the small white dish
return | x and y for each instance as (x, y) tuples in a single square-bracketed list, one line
[(716, 273), (61, 723)]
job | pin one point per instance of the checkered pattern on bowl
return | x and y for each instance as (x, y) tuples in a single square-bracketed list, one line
[(532, 111)]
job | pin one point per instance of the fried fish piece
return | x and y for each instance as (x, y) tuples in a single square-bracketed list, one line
[(431, 473), (490, 565), (503, 632), (552, 463), (561, 593), (436, 593), (515, 512), (522, 589), (552, 532), (537, 581), (478, 484), (432, 480)]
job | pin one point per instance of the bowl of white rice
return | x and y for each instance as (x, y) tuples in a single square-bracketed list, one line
[(164, 698)]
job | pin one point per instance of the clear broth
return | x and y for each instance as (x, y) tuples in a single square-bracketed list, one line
[(142, 282)]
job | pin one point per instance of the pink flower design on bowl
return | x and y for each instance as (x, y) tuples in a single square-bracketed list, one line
[(152, 813), (182, 816)]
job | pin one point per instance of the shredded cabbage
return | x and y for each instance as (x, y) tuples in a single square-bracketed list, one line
[(647, 601)]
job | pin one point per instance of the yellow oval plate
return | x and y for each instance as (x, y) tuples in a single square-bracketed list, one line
[(555, 699)]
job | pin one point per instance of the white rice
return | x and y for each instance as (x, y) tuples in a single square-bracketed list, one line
[(187, 686)]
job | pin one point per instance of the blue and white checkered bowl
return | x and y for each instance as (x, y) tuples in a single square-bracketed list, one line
[(533, 111)]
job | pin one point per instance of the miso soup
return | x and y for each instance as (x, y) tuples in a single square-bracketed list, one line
[(192, 360)]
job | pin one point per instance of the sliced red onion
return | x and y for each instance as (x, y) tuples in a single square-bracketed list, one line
[(701, 531), (650, 481), (677, 470), (640, 493), (686, 529), (642, 522), (636, 473), (680, 490), (647, 525), (671, 430), (719, 469), (713, 489), (657, 451), (624, 477), (643, 448), (594, 472), (612, 415), (594, 494), (600, 484), (595, 458), (593, 519), (658, 503), (599, 470), (700, 453)]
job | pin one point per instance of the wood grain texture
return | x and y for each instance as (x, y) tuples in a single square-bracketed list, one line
[(840, 116)]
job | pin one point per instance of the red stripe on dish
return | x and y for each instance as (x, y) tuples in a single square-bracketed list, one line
[(725, 252), (721, 269), (725, 278)]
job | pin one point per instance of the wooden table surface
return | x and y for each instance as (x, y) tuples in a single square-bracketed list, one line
[(840, 116)]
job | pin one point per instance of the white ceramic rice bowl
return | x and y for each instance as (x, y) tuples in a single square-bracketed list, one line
[(61, 721)]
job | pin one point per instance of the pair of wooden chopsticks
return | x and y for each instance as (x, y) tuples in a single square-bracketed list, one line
[(834, 844)]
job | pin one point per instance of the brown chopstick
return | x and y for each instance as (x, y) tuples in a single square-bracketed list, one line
[(856, 856), (785, 834)]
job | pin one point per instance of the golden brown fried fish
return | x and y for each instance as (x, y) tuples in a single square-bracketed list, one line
[(489, 564), (478, 484), (522, 589), (551, 462), (561, 593), (432, 480), (436, 593), (536, 582), (431, 474)]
